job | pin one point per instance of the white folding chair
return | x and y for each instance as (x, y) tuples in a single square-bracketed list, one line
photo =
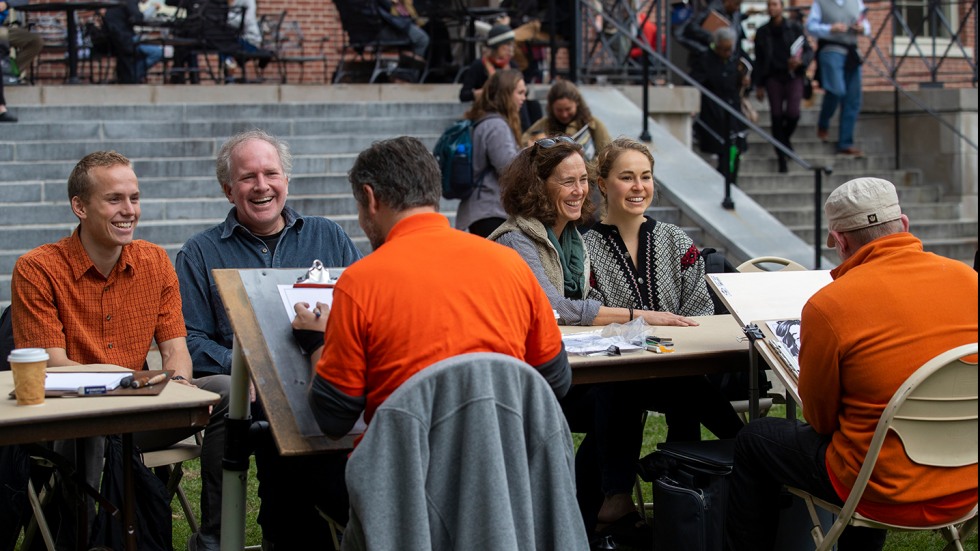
[(171, 460), (934, 416), (766, 264), (758, 264)]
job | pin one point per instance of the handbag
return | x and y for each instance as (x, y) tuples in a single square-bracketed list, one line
[(690, 493)]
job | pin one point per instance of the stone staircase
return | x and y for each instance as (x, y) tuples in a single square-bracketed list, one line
[(789, 197), (173, 142), (173, 149)]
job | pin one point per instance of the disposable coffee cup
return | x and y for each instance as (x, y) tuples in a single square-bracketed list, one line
[(29, 366)]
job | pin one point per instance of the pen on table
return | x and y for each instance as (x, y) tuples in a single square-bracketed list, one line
[(156, 379)]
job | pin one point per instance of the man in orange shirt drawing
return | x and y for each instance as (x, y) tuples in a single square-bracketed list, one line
[(427, 293), (861, 337)]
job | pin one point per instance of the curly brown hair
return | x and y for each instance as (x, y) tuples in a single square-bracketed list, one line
[(524, 188), (498, 97)]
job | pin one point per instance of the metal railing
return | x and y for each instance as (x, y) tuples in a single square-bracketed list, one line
[(931, 34), (733, 114)]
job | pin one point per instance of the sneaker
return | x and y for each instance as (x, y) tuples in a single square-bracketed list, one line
[(7, 117), (851, 152), (823, 134)]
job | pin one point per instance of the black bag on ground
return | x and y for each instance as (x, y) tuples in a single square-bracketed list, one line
[(690, 493), (154, 521)]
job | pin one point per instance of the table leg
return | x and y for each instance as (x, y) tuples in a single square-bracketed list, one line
[(129, 493), (234, 481), (79, 497)]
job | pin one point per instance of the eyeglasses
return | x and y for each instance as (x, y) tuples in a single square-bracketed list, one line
[(548, 143)]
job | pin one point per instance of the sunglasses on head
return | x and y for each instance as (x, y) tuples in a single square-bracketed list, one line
[(548, 143)]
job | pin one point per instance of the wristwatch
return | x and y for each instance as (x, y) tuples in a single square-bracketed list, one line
[(178, 378)]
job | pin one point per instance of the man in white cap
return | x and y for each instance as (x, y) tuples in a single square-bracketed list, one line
[(890, 308)]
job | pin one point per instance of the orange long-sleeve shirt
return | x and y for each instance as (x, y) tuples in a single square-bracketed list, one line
[(890, 309)]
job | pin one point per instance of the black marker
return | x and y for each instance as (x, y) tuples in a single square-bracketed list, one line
[(91, 390)]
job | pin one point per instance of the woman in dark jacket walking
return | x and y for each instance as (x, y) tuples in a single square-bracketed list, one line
[(720, 71), (782, 54)]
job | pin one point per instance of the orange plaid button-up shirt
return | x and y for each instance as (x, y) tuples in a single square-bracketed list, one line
[(60, 300)]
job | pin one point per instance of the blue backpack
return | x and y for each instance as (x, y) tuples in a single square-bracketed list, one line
[(454, 154)]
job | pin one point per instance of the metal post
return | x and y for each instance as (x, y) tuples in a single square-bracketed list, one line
[(645, 134), (552, 41), (234, 478), (725, 158), (753, 332), (898, 138), (817, 217)]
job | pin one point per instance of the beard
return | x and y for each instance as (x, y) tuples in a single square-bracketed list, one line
[(373, 233)]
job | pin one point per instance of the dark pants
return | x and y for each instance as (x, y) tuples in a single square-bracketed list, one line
[(291, 488), (770, 453), (785, 94), (610, 415)]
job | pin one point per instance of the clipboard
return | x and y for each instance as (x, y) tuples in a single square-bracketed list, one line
[(152, 390), (715, 21)]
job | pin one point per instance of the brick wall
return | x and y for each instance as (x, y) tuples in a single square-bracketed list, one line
[(318, 18)]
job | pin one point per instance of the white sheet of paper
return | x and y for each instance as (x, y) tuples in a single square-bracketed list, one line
[(756, 296), (310, 295), (73, 381)]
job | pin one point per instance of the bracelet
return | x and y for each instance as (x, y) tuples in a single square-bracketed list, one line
[(308, 339), (631, 313)]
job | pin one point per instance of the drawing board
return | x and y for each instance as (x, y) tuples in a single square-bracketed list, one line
[(279, 369), (752, 297)]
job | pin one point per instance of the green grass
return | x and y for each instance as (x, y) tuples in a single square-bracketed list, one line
[(191, 484), (655, 431)]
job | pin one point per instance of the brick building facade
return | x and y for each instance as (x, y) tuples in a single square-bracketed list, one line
[(950, 65)]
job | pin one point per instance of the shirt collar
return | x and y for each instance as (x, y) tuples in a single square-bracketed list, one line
[(417, 222), (231, 222), (878, 249), (80, 262)]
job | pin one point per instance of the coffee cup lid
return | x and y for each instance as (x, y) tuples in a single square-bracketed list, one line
[(24, 355)]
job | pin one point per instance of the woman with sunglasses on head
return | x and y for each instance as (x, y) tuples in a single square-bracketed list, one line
[(496, 132), (545, 191)]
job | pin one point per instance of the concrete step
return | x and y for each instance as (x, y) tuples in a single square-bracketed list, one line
[(792, 216), (782, 191), (957, 248), (236, 111), (175, 167), (198, 187), (929, 231)]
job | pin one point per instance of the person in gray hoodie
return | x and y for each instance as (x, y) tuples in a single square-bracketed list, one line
[(496, 141)]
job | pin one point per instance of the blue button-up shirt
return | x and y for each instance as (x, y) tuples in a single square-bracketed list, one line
[(231, 245)]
